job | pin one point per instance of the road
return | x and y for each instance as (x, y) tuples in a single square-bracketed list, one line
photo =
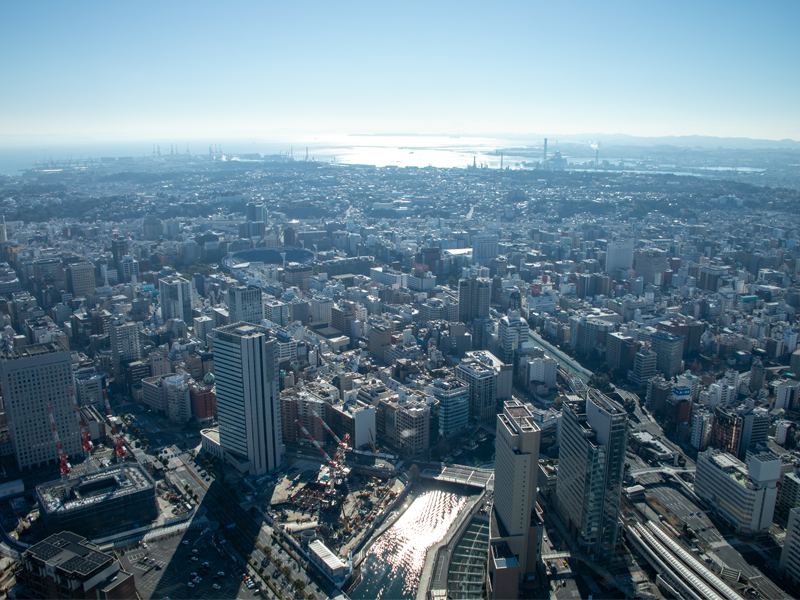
[(244, 530)]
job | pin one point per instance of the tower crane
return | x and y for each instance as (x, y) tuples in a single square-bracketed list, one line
[(66, 469), (313, 441), (119, 441)]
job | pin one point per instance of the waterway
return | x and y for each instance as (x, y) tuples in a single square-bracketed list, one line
[(482, 456), (392, 567), (565, 361)]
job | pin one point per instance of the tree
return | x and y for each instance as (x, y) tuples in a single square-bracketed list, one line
[(300, 584)]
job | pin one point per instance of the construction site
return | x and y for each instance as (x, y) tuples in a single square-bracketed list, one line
[(337, 501)]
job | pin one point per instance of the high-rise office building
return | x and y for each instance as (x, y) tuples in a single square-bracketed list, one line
[(31, 379), (474, 298), (152, 227), (619, 256), (128, 268), (484, 249), (669, 348), (512, 333), (80, 279), (453, 397), (644, 366), (650, 264), (245, 304), (248, 404), (125, 345), (277, 312), (295, 274), (790, 555), (256, 211), (380, 338), (175, 298), (202, 327), (590, 469), (119, 248), (482, 381), (515, 477)]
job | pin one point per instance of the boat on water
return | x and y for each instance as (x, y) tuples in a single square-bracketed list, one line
[(458, 452)]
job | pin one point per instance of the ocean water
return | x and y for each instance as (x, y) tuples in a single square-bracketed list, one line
[(379, 150)]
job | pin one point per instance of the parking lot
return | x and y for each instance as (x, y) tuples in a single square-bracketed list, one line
[(164, 568)]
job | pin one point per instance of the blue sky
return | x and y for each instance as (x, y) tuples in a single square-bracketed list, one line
[(137, 69)]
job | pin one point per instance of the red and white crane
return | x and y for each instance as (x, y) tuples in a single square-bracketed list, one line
[(119, 440), (313, 441), (86, 437), (62, 456)]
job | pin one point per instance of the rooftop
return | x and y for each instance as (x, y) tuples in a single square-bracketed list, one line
[(70, 553), (115, 481)]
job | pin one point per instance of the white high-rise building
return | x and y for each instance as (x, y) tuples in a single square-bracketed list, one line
[(484, 249), (203, 327), (515, 476), (179, 404), (248, 403), (321, 310), (31, 378), (175, 297), (245, 304), (701, 429), (619, 255), (512, 333)]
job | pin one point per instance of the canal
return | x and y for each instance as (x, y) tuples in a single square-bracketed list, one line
[(566, 363), (392, 567)]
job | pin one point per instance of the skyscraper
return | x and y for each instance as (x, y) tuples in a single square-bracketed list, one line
[(125, 346), (619, 255), (474, 297), (515, 476), (31, 378), (513, 332), (669, 349), (248, 405), (80, 279), (245, 304), (482, 381), (484, 249), (590, 468), (119, 248), (175, 298)]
